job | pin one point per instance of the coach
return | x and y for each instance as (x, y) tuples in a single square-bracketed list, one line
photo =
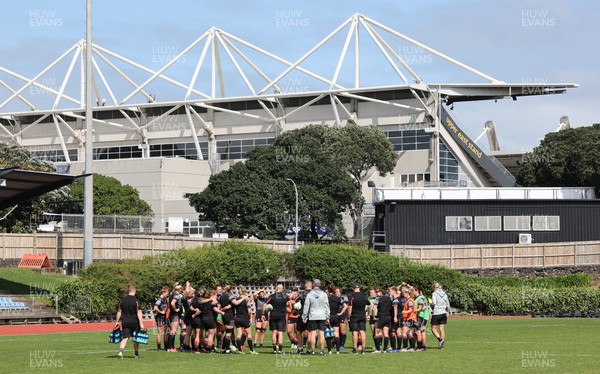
[(316, 312)]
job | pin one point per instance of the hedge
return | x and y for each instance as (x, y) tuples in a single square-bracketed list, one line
[(242, 262)]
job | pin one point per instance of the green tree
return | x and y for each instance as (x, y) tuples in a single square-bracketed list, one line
[(18, 218), (249, 197), (359, 149), (111, 198), (242, 201), (568, 158)]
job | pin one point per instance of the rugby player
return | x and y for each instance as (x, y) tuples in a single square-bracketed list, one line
[(243, 316), (129, 317), (301, 328), (276, 318), (259, 301), (358, 318), (292, 318), (160, 308), (441, 309)]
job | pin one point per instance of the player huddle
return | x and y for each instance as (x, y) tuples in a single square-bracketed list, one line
[(220, 319)]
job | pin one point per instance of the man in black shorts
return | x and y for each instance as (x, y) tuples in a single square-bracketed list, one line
[(229, 317), (383, 303), (301, 328), (160, 308), (316, 313), (129, 316), (277, 317), (358, 317)]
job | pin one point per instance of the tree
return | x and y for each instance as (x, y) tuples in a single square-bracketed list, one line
[(242, 201), (359, 149), (17, 219), (111, 198), (568, 158), (248, 198)]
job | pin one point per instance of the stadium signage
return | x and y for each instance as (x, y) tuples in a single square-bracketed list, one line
[(485, 161)]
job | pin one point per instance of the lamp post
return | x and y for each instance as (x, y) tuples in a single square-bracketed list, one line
[(296, 223)]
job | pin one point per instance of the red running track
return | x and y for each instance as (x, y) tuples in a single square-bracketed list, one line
[(108, 326), (61, 328)]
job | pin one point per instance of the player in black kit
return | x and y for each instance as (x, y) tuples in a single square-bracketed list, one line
[(358, 319), (243, 316), (335, 312), (228, 317), (277, 317), (160, 308), (383, 303), (129, 317)]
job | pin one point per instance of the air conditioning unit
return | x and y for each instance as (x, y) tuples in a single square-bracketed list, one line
[(524, 238)]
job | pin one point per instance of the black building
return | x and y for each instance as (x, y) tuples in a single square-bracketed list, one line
[(437, 216)]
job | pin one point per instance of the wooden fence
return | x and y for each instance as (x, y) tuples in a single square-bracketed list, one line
[(504, 255), (107, 246)]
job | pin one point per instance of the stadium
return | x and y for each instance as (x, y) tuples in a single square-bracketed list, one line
[(167, 136), (166, 128)]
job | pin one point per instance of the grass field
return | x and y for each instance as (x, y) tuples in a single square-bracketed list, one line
[(22, 281), (499, 345)]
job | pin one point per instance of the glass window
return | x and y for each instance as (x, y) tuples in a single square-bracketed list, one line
[(546, 223), (454, 223), (517, 223), (488, 223)]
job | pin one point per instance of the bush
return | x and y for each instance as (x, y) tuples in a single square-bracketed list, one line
[(524, 300), (230, 262), (84, 298), (572, 280), (343, 265)]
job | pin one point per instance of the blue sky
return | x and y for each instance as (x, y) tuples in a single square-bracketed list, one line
[(515, 41)]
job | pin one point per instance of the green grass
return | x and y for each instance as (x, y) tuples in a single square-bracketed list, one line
[(473, 346), (24, 281)]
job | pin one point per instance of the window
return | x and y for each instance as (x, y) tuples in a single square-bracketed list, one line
[(488, 223), (517, 223), (546, 223), (459, 223), (408, 140)]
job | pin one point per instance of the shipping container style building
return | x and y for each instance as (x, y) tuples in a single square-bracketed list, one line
[(449, 216)]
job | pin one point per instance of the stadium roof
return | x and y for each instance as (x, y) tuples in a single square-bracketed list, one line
[(17, 186), (232, 69)]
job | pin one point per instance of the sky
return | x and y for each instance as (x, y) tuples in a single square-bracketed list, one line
[(527, 41)]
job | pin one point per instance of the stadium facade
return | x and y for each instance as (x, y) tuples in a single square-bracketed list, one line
[(165, 131)]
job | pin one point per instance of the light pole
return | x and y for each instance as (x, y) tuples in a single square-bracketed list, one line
[(296, 223)]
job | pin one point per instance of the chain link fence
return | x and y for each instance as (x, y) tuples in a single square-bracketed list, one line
[(108, 224)]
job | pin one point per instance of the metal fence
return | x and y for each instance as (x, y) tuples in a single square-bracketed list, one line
[(74, 223)]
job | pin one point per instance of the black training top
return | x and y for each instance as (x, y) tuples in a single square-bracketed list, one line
[(206, 306), (224, 301), (334, 304), (359, 302), (178, 305), (279, 302), (241, 311), (384, 306), (129, 306)]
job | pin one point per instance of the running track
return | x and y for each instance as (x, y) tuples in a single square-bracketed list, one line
[(108, 326), (61, 328)]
